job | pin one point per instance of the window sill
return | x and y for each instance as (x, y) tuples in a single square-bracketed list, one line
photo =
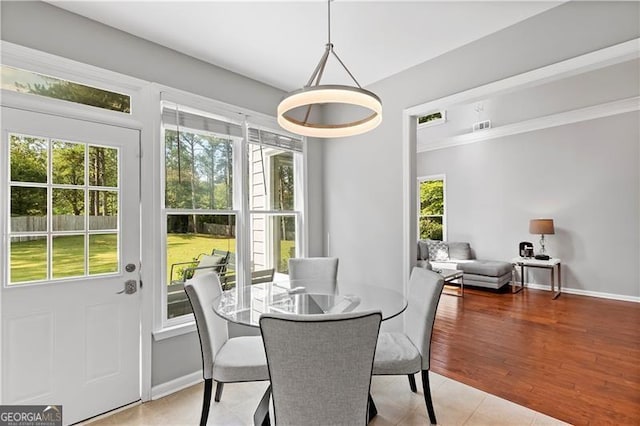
[(175, 330)]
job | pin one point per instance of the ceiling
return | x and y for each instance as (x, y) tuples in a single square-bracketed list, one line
[(280, 43)]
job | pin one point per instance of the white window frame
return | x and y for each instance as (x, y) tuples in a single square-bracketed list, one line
[(171, 323), (428, 178), (163, 327), (296, 213)]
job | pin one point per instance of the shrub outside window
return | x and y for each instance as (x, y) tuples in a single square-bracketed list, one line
[(431, 214)]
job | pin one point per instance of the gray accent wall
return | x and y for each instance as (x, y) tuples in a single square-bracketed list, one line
[(584, 175), (47, 28), (363, 175)]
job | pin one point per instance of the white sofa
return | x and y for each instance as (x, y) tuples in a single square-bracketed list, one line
[(458, 255)]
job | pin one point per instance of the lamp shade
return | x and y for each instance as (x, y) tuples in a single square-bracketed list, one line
[(541, 226)]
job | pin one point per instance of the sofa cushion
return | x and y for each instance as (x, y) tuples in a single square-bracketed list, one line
[(490, 268), (423, 250), (459, 251), (438, 250), (424, 264)]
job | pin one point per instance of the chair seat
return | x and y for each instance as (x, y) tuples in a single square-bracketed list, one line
[(241, 359), (396, 354)]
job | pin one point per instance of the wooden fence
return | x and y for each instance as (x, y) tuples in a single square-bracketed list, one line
[(24, 224)]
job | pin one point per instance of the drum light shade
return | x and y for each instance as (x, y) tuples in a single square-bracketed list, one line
[(295, 110), (328, 95)]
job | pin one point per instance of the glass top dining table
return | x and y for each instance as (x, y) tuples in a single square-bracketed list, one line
[(244, 306)]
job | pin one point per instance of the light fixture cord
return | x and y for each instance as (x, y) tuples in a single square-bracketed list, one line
[(328, 22), (319, 70)]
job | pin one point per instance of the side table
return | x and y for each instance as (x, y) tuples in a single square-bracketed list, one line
[(553, 264), (452, 276)]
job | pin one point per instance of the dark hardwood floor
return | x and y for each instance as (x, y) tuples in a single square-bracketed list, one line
[(575, 358)]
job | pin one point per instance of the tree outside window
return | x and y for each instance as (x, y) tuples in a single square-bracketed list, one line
[(431, 222)]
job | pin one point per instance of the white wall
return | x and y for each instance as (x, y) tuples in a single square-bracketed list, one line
[(584, 176), (47, 28), (583, 90), (363, 175), (44, 27)]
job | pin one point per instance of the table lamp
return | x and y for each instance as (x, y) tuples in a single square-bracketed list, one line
[(542, 227)]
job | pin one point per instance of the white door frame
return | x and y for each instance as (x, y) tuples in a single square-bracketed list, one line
[(140, 119)]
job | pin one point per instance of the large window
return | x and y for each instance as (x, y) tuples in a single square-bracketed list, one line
[(431, 208), (198, 198), (202, 178), (274, 162)]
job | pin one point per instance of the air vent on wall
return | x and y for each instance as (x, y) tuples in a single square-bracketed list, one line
[(481, 125)]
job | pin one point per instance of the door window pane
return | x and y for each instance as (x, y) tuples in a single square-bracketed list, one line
[(28, 209), (103, 166), (68, 256), (68, 209), (103, 210), (68, 163), (103, 253), (28, 259), (79, 191), (28, 159)]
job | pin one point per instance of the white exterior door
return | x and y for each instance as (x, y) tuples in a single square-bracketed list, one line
[(71, 239)]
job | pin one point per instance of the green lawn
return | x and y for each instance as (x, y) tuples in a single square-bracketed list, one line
[(28, 258), (184, 247)]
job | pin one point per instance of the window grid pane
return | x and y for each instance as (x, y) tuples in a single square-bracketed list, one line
[(22, 81), (199, 208), (197, 244), (50, 195)]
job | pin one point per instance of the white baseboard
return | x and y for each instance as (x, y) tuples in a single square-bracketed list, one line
[(590, 293), (167, 388)]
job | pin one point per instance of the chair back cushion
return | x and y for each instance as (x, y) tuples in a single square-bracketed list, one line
[(316, 274), (212, 329), (320, 366), (208, 263), (425, 288)]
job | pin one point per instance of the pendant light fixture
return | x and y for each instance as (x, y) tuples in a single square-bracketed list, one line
[(360, 110)]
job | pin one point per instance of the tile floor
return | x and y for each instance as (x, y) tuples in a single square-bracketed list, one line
[(454, 403)]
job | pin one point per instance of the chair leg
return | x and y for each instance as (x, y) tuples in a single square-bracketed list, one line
[(206, 401), (219, 387), (261, 415), (426, 389), (373, 411), (412, 383)]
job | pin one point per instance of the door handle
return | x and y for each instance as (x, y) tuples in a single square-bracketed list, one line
[(130, 287)]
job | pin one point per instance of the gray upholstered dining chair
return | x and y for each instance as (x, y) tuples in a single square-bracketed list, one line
[(408, 352), (316, 274), (320, 366), (225, 360)]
